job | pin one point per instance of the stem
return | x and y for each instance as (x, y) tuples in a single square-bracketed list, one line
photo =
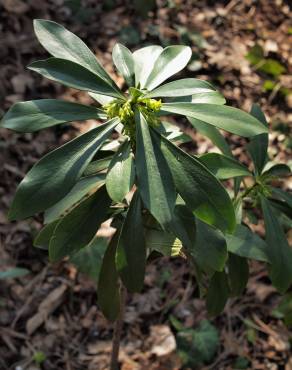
[(114, 365)]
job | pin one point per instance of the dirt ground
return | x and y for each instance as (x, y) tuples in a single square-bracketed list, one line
[(49, 319)]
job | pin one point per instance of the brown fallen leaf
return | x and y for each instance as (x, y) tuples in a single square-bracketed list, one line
[(15, 6), (162, 340), (46, 307), (288, 365)]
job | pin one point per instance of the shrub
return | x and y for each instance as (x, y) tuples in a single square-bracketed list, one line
[(158, 197)]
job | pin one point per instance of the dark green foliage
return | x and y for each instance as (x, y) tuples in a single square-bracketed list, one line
[(159, 198)]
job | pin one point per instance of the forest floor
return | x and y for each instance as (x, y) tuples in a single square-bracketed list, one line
[(49, 319)]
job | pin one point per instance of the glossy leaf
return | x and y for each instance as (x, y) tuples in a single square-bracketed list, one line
[(61, 43), (278, 250), (73, 75), (82, 187), (217, 294), (211, 133), (131, 250), (258, 145), (108, 292), (227, 118), (244, 243), (97, 166), (223, 167), (36, 115), (201, 191), (154, 179), (237, 273), (208, 97), (77, 228), (172, 132), (282, 207), (183, 87), (56, 173), (184, 226), (42, 240), (101, 99), (144, 60), (89, 259), (121, 173), (277, 170), (284, 195), (124, 61), (172, 60), (163, 242), (211, 97), (209, 250)]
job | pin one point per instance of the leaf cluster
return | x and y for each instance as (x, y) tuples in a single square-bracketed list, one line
[(158, 198)]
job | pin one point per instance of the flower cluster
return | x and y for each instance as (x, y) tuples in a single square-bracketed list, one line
[(125, 111)]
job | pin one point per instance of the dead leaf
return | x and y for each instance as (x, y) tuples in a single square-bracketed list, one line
[(47, 306), (15, 6), (162, 340)]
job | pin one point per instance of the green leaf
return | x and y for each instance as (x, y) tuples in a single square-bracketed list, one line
[(209, 250), (244, 243), (206, 340), (89, 259), (282, 207), (227, 118), (199, 346), (279, 193), (101, 99), (82, 187), (277, 170), (200, 190), (223, 167), (163, 242), (42, 240), (121, 173), (279, 251), (61, 43), (78, 227), (284, 309), (95, 167), (237, 273), (255, 55), (211, 133), (131, 250), (183, 87), (154, 179), (13, 272), (124, 61), (211, 97), (172, 60), (144, 60), (73, 75), (56, 173), (172, 132), (258, 145), (108, 293), (184, 225), (271, 67), (217, 294), (36, 115)]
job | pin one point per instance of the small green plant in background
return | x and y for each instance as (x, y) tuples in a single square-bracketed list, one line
[(13, 272), (271, 68), (159, 198), (39, 357)]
